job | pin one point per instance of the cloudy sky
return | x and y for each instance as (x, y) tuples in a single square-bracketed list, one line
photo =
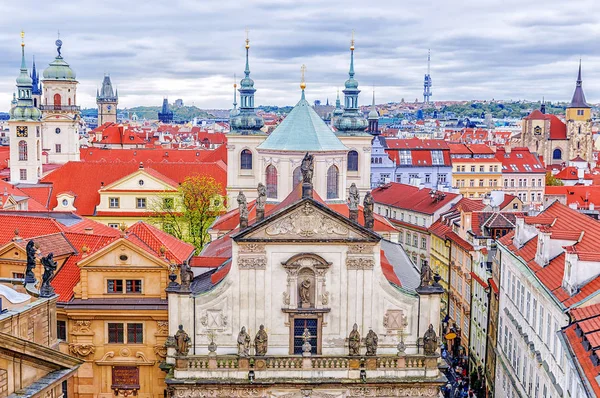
[(190, 49)]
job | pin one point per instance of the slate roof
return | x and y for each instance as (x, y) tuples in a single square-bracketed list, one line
[(303, 130)]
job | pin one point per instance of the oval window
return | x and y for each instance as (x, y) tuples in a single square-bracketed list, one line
[(65, 202), (141, 182), (123, 257)]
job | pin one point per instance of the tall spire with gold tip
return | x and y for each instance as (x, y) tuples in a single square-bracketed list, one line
[(302, 82), (352, 122), (373, 118), (235, 110), (246, 121), (24, 110)]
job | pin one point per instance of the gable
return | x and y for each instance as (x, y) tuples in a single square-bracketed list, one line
[(140, 181), (122, 254), (307, 221), (12, 251)]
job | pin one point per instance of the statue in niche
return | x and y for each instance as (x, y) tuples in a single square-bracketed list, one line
[(371, 343), (354, 341), (182, 342), (430, 341), (261, 341), (243, 342), (305, 293)]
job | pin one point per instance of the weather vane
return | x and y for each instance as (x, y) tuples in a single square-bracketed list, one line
[(352, 41), (58, 44), (302, 82), (247, 39)]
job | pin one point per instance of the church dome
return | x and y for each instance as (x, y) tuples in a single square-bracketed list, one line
[(351, 122), (24, 80), (247, 121), (25, 113), (59, 70)]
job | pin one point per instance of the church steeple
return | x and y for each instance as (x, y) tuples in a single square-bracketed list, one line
[(352, 122), (247, 121), (235, 110), (578, 100), (107, 101), (24, 110), (373, 118)]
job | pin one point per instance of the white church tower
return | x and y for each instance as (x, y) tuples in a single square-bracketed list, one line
[(24, 126), (60, 135)]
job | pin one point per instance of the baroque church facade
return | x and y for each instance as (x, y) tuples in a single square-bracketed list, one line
[(557, 141), (45, 120), (307, 299)]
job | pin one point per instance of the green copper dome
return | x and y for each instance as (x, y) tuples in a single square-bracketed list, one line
[(59, 70), (24, 109), (303, 130), (25, 113)]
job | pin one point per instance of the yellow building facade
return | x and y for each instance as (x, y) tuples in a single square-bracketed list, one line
[(475, 177)]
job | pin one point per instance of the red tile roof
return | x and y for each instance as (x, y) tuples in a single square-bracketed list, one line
[(69, 176), (411, 198), (155, 239), (421, 151), (153, 155), (55, 243), (116, 134), (479, 280), (388, 270), (558, 129), (26, 226), (519, 160), (557, 219)]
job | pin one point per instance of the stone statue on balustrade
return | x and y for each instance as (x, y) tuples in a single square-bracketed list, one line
[(182, 342), (430, 341), (354, 341), (371, 342), (261, 200), (368, 203), (243, 342), (243, 209), (261, 341), (49, 268), (31, 251)]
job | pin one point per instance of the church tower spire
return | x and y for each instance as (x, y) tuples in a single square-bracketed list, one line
[(373, 118), (235, 110), (352, 122), (246, 121), (427, 82), (579, 124)]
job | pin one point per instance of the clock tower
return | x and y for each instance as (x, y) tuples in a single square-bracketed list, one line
[(107, 101), (61, 120), (25, 131)]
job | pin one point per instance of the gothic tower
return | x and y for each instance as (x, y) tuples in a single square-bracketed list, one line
[(25, 131), (166, 114), (60, 113), (36, 86), (107, 101), (579, 124)]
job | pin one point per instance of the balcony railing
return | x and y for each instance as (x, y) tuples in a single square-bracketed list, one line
[(270, 367), (66, 108)]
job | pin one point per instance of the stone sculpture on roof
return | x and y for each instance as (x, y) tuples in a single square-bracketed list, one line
[(261, 341), (182, 342), (261, 200), (430, 341), (30, 249), (49, 267), (307, 168), (371, 342), (354, 341), (368, 211), (243, 207), (243, 342)]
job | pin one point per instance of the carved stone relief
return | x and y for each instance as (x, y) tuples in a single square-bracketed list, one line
[(162, 328), (252, 248), (81, 350), (252, 262), (394, 320), (82, 327), (307, 222), (360, 263), (214, 319), (360, 248), (251, 391), (160, 351)]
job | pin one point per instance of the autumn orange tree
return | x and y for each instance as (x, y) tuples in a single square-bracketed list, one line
[(188, 213)]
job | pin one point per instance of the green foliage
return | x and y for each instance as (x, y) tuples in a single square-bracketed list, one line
[(516, 110), (183, 114), (552, 181), (189, 213)]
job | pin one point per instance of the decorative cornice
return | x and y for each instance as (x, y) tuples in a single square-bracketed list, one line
[(360, 263), (252, 262)]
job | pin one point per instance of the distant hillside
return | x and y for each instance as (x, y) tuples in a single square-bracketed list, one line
[(183, 114), (518, 110)]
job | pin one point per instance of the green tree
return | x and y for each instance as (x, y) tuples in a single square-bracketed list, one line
[(552, 181), (188, 213)]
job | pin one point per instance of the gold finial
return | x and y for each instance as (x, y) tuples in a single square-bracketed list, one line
[(247, 39), (22, 38), (352, 41), (302, 82), (234, 81)]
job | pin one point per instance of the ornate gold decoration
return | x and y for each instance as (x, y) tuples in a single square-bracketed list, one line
[(360, 263), (252, 262), (81, 350)]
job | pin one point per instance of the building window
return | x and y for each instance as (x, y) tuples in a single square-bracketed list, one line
[(135, 333), (416, 240), (480, 183), (557, 154), (579, 113), (113, 225), (427, 178), (18, 275), (114, 286), (22, 174), (297, 176), (472, 169), (22, 150), (471, 183), (271, 178), (423, 243), (113, 203), (133, 286), (61, 330), (482, 169), (140, 203), (441, 178), (313, 327), (437, 158), (58, 148), (246, 160), (332, 183), (352, 161), (115, 333)]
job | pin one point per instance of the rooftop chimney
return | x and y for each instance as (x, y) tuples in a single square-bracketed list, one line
[(89, 230)]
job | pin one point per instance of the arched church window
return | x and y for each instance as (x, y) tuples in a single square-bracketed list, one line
[(57, 100), (271, 178), (246, 160), (22, 150), (297, 176), (333, 183), (69, 101), (352, 161), (557, 154)]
